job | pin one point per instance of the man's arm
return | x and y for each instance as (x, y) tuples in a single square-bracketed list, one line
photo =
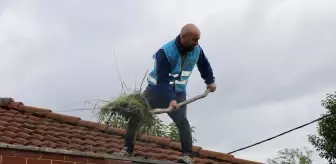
[(205, 69), (163, 69)]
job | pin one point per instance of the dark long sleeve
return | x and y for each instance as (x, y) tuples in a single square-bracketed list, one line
[(205, 68), (163, 69)]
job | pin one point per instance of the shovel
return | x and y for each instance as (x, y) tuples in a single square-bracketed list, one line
[(160, 110)]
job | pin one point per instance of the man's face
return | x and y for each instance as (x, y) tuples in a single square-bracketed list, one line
[(191, 41)]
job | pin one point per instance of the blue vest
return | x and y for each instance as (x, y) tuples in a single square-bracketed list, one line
[(174, 58)]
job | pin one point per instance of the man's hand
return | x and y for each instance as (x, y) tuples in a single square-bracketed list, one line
[(174, 105), (212, 87)]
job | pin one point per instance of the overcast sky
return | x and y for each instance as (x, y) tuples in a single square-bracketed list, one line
[(273, 61)]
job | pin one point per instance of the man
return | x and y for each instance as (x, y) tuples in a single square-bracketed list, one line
[(167, 82)]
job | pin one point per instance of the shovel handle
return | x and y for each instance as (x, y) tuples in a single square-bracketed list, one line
[(169, 109)]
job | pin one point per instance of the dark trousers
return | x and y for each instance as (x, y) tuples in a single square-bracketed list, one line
[(159, 100)]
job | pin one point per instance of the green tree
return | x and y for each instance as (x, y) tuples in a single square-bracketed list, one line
[(173, 133), (292, 156), (325, 139)]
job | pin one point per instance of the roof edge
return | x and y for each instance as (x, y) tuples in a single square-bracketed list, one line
[(80, 153), (10, 103)]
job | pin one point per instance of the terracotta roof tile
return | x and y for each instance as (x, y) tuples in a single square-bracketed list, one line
[(6, 139), (30, 109), (10, 134), (20, 141), (32, 126), (2, 128), (25, 135)]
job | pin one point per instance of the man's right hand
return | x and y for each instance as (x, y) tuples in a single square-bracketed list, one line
[(212, 87), (173, 104)]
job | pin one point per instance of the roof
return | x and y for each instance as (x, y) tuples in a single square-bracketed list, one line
[(38, 127)]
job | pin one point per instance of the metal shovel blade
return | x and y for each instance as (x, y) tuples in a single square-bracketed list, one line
[(160, 110)]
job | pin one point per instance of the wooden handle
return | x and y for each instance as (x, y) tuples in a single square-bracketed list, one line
[(160, 110)]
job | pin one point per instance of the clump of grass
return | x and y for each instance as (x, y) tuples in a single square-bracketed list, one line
[(127, 106)]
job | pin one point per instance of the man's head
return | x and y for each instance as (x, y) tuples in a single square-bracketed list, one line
[(189, 36)]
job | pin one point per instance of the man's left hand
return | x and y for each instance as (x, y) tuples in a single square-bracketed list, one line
[(212, 87)]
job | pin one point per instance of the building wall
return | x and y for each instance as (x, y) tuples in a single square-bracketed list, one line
[(11, 156)]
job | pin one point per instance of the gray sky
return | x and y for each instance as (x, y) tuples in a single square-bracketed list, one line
[(273, 61)]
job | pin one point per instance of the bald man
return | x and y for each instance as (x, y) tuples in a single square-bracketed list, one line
[(167, 82)]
